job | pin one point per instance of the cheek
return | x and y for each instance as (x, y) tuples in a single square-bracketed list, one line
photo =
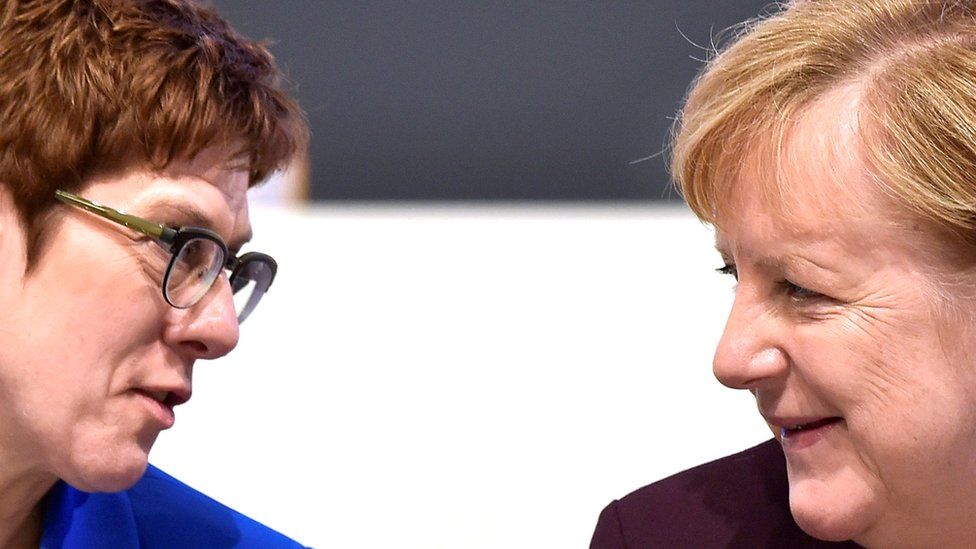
[(68, 341), (904, 400), (866, 360), (95, 304), (868, 370)]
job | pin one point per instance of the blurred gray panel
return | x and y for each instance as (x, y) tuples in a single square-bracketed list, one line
[(520, 100)]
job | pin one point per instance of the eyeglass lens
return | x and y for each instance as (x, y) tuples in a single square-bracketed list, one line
[(249, 283), (192, 271), (197, 264)]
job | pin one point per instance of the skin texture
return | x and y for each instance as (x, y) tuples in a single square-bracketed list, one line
[(837, 314), (89, 324)]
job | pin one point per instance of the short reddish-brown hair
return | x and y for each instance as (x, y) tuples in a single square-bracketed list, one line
[(95, 85)]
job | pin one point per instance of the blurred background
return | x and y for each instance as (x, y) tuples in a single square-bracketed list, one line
[(493, 315)]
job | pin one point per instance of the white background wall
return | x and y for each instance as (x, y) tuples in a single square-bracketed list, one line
[(464, 376)]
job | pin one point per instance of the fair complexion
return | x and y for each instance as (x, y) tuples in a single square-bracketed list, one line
[(836, 326), (89, 350)]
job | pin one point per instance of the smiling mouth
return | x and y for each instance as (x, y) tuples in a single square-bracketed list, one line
[(793, 430)]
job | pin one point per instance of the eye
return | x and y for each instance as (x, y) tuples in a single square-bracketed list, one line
[(158, 251), (799, 293), (728, 269)]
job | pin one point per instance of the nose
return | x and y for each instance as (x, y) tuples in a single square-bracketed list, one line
[(750, 353), (209, 329)]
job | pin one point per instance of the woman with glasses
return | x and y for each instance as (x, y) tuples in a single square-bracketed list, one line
[(131, 132)]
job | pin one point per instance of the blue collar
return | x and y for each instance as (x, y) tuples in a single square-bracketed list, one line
[(78, 520)]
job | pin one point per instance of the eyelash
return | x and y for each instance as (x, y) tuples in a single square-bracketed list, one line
[(799, 292), (794, 291), (728, 269)]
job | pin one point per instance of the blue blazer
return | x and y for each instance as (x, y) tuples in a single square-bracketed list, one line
[(158, 512)]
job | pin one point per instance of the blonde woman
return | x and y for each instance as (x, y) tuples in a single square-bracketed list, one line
[(832, 146)]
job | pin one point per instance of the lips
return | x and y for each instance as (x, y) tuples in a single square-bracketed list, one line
[(169, 398), (792, 429), (160, 402), (798, 433)]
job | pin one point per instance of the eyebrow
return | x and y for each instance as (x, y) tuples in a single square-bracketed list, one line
[(196, 217), (787, 263), (721, 249)]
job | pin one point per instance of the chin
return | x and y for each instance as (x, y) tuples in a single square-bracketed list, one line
[(108, 469), (823, 526), (831, 513)]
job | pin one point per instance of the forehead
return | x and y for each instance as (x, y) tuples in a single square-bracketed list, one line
[(208, 190), (215, 167), (807, 181)]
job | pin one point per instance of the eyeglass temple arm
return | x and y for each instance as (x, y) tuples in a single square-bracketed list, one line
[(154, 230)]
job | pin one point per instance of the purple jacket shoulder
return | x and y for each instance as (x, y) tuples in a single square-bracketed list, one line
[(738, 501)]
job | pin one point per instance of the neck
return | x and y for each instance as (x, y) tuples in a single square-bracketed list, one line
[(21, 513), (23, 484), (25, 532), (24, 480)]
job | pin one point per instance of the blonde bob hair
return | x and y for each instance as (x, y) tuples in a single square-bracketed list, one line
[(913, 63)]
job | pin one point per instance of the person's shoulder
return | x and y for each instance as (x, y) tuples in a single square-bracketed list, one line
[(757, 475), (168, 513), (740, 501)]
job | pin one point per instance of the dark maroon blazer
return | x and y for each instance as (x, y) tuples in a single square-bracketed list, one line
[(737, 501)]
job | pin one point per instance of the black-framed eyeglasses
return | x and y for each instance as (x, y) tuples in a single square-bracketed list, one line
[(197, 256)]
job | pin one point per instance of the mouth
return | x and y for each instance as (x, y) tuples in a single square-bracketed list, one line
[(791, 430), (802, 432), (161, 402), (167, 398)]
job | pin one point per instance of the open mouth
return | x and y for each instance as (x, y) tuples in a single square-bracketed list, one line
[(794, 430), (162, 397), (160, 403), (166, 398)]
